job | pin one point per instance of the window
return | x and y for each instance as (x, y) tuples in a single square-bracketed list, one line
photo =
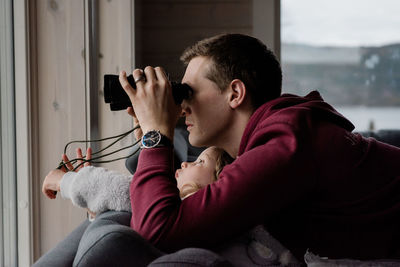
[(350, 52)]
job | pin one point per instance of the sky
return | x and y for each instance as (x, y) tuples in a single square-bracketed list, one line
[(341, 22)]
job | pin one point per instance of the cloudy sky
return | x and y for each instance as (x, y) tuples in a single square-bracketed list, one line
[(341, 22)]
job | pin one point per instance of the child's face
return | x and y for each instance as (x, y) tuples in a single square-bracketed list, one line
[(200, 172)]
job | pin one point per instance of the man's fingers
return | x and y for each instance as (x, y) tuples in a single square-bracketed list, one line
[(125, 84), (160, 73), (131, 112), (150, 74), (135, 121), (139, 78)]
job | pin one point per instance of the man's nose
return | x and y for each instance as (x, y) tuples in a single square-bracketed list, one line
[(185, 108)]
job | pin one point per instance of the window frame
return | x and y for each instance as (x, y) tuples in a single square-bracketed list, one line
[(8, 188), (25, 117)]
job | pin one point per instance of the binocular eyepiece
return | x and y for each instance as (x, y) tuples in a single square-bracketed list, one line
[(118, 99)]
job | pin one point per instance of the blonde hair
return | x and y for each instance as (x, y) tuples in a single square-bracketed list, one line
[(188, 189), (222, 160)]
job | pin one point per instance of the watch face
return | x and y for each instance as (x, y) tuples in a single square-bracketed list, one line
[(151, 139)]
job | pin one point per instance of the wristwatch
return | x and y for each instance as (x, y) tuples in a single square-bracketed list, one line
[(154, 138)]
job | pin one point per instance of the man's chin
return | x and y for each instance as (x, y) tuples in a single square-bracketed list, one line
[(196, 142)]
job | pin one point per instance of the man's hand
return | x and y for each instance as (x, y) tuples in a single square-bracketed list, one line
[(152, 100), (138, 132)]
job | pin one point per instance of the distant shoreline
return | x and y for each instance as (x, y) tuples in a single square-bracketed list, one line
[(362, 116)]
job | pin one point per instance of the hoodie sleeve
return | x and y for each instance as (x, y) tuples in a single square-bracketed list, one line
[(97, 189), (275, 171)]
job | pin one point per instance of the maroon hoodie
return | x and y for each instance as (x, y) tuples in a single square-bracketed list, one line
[(300, 172)]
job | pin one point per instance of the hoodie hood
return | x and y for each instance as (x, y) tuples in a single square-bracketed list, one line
[(313, 102)]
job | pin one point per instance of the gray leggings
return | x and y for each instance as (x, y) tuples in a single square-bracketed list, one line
[(64, 253), (109, 241)]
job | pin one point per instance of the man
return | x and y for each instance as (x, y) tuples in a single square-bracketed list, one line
[(298, 170)]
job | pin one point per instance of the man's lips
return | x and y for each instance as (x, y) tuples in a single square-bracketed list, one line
[(189, 125)]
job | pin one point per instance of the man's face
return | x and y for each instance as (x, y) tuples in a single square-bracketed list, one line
[(207, 111)]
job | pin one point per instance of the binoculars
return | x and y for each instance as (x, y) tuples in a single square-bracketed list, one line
[(118, 99)]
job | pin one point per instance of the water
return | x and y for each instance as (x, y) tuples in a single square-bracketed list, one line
[(372, 118)]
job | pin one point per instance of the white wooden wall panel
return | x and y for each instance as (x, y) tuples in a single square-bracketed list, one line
[(61, 105), (116, 54)]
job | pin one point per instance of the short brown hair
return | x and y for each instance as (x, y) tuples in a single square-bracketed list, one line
[(238, 56)]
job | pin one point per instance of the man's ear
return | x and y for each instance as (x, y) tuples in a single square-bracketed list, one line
[(237, 93)]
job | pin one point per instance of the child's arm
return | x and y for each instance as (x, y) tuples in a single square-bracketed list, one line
[(97, 189)]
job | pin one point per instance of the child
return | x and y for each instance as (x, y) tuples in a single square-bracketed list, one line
[(205, 170), (99, 189)]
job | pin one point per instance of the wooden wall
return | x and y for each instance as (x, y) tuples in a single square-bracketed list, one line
[(61, 105), (164, 28), (63, 99), (116, 53)]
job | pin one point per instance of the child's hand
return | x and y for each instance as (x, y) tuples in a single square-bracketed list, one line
[(68, 165), (51, 183), (80, 156)]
